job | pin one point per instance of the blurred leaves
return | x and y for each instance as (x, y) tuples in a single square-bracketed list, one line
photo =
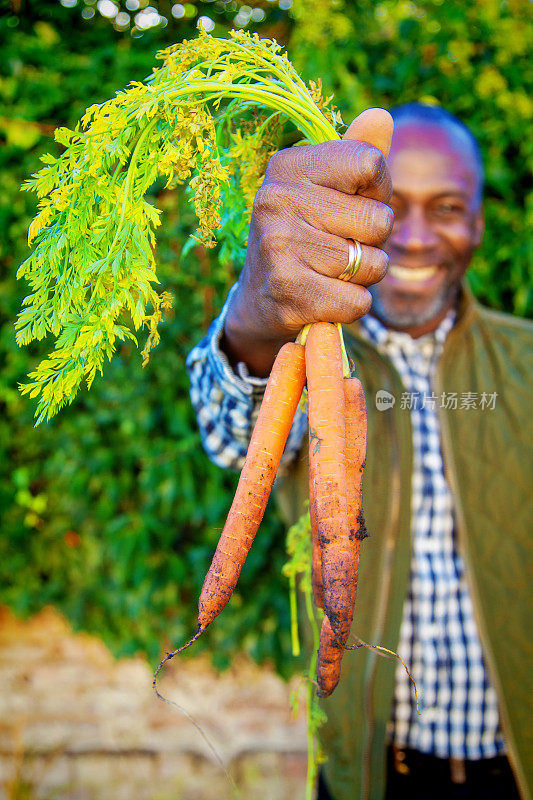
[(112, 511)]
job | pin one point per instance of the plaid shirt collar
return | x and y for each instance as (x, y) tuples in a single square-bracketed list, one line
[(387, 340)]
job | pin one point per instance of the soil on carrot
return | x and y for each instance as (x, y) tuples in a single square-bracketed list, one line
[(362, 532)]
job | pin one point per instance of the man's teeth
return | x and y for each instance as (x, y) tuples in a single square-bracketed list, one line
[(412, 275)]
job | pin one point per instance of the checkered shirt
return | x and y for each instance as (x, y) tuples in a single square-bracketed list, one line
[(439, 641), (438, 638)]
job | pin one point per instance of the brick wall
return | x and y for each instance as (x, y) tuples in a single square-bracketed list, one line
[(75, 724)]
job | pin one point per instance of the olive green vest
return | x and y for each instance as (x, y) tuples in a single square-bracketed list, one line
[(488, 464)]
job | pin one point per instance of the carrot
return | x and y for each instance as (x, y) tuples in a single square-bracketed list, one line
[(281, 398), (329, 652), (329, 660), (282, 395), (327, 470), (355, 421)]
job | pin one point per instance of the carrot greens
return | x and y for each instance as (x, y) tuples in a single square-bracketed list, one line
[(209, 116)]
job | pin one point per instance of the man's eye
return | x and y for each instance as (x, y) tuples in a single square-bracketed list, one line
[(448, 208)]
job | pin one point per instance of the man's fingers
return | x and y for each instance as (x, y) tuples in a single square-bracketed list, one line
[(350, 167), (331, 300), (369, 221), (329, 254)]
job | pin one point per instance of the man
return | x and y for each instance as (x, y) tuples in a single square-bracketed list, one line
[(442, 579)]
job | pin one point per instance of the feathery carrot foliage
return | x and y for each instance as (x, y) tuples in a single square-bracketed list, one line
[(93, 271)]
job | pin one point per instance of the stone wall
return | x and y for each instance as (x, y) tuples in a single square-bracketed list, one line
[(75, 724)]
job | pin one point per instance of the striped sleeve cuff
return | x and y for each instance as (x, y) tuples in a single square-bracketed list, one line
[(227, 402)]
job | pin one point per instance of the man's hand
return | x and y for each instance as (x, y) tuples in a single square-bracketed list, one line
[(313, 200)]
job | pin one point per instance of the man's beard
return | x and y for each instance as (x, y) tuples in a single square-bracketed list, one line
[(409, 318)]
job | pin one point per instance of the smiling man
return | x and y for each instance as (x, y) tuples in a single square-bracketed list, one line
[(438, 179), (448, 474)]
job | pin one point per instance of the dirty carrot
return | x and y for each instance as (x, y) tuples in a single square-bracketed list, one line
[(329, 653), (276, 414), (281, 398), (329, 660), (356, 428), (327, 470)]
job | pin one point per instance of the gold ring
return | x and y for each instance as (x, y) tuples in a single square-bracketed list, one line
[(355, 254)]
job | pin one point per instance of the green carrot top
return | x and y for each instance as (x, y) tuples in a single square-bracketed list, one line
[(92, 271)]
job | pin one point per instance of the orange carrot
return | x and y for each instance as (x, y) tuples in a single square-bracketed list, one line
[(327, 470), (355, 421), (276, 414), (329, 652), (329, 660)]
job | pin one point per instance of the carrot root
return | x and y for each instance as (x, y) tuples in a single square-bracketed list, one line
[(170, 655)]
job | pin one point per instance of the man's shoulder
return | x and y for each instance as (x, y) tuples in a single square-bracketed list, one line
[(508, 338), (489, 345), (504, 343), (506, 323)]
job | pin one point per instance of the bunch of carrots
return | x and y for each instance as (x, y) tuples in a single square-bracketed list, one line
[(337, 448), (337, 452), (93, 261)]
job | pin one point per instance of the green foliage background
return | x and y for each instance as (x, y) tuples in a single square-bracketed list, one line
[(111, 512)]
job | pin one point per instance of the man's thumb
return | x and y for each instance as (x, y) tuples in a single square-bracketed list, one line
[(373, 126)]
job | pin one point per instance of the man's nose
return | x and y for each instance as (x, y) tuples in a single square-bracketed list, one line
[(413, 231)]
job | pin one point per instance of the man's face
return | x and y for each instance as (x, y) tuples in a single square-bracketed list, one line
[(438, 224)]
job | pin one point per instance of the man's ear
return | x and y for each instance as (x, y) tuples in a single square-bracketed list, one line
[(479, 227)]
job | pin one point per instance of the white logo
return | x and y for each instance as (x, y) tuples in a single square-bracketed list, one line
[(384, 400)]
